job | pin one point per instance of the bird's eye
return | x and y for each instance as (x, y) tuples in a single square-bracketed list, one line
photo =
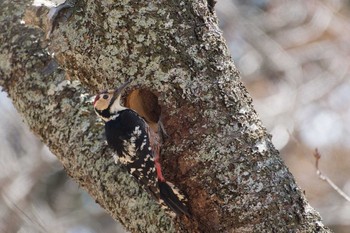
[(105, 97)]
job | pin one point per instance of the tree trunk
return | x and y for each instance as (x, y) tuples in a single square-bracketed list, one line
[(217, 151)]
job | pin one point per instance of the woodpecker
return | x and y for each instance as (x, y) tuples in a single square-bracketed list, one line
[(137, 148)]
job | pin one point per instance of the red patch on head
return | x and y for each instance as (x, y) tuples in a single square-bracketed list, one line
[(96, 98)]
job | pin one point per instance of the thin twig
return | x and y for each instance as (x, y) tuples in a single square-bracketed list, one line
[(21, 213), (317, 156)]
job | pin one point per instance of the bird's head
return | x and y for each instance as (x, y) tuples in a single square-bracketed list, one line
[(107, 103)]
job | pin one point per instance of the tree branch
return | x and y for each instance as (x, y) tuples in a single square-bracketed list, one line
[(325, 178)]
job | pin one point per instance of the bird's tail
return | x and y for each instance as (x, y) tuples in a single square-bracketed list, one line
[(172, 198)]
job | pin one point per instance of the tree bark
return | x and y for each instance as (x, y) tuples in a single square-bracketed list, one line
[(217, 152)]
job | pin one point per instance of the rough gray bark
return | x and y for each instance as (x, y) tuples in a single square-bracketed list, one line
[(218, 151)]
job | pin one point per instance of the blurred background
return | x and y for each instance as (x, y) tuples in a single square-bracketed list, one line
[(294, 58)]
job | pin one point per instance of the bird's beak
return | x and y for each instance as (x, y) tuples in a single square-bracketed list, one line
[(118, 91)]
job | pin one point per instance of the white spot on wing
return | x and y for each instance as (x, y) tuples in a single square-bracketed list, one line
[(125, 159), (148, 157), (144, 142), (137, 132)]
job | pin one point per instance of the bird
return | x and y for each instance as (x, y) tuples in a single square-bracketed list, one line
[(137, 148)]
